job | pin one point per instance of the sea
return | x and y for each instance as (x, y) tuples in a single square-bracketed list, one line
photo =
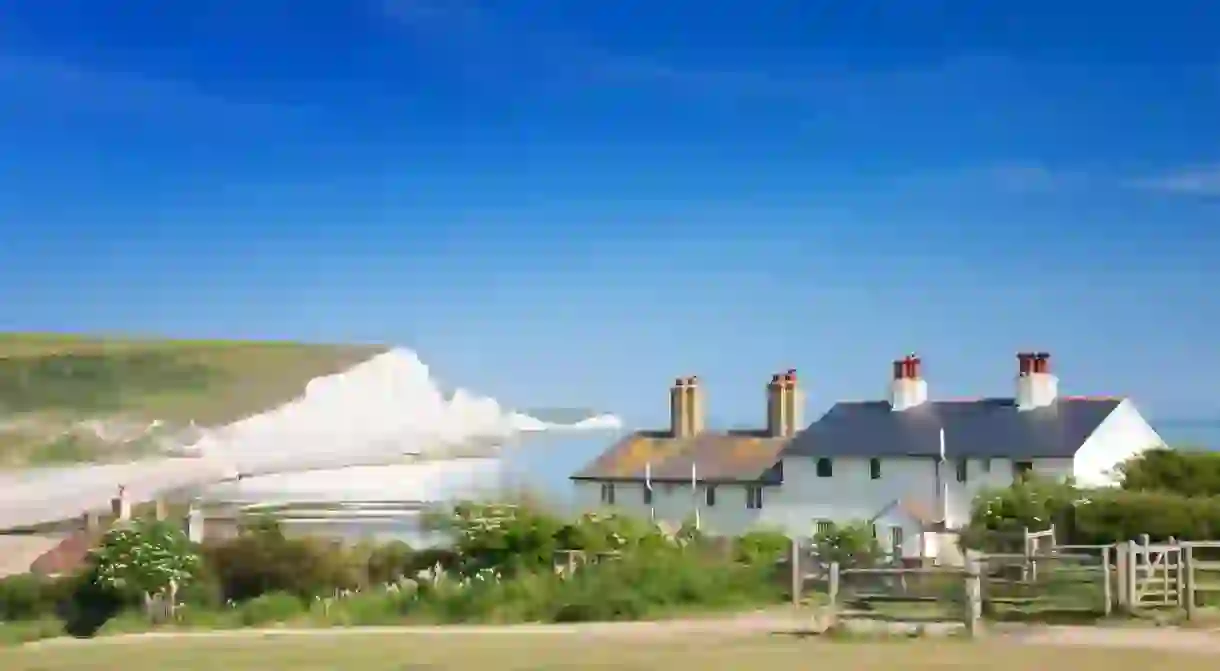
[(382, 503)]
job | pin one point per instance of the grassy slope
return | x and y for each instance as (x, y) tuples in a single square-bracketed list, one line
[(56, 379)]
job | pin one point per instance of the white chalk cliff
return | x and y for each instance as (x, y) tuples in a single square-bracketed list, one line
[(369, 415)]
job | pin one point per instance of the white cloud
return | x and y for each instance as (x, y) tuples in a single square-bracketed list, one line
[(1203, 180)]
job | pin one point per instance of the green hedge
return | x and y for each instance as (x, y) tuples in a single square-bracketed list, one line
[(1090, 516)]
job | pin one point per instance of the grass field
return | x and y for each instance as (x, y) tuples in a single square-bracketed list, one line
[(49, 382), (538, 652)]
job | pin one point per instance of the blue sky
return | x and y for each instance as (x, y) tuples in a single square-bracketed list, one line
[(569, 203)]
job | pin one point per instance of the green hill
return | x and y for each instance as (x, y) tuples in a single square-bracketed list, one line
[(74, 398)]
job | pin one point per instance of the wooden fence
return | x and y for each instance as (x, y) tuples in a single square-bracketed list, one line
[(952, 594), (1045, 582)]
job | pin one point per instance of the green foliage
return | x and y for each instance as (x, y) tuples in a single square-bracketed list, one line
[(262, 560), (144, 557), (29, 597), (1108, 516), (1178, 471), (761, 547), (269, 608), (1033, 503), (851, 545)]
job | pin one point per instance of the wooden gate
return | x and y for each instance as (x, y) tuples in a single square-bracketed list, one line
[(1154, 573)]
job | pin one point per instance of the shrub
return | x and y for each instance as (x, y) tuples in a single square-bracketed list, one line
[(1034, 503), (144, 558), (851, 544), (270, 608), (28, 597), (1188, 473), (761, 547), (261, 560), (388, 562)]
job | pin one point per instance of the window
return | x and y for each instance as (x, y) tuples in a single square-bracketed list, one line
[(647, 495), (896, 540), (825, 468), (608, 493), (874, 469), (823, 527), (962, 467), (1021, 468), (754, 498), (710, 496), (986, 463)]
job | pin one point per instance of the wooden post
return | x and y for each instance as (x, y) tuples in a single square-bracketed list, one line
[(1120, 574), (1106, 583), (1132, 577), (974, 597), (834, 585), (1188, 579), (797, 578)]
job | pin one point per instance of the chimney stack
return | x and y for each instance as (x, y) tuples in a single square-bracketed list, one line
[(793, 401), (694, 406), (908, 389), (1036, 387), (777, 409), (677, 408)]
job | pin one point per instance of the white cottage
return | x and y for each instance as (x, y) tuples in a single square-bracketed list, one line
[(910, 465)]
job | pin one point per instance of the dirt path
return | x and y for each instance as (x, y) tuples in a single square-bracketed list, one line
[(753, 624)]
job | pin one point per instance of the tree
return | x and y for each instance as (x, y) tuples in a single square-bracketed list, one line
[(1178, 471), (145, 558)]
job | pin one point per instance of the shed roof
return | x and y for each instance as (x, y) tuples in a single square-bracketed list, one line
[(736, 456), (986, 428)]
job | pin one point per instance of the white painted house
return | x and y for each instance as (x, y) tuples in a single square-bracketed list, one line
[(910, 465)]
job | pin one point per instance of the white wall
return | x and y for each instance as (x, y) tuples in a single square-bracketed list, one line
[(674, 504), (850, 494), (1124, 434)]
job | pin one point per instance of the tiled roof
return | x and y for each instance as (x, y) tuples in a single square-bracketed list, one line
[(69, 556), (746, 456), (978, 428)]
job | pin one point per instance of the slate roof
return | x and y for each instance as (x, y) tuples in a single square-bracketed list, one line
[(981, 428), (736, 456)]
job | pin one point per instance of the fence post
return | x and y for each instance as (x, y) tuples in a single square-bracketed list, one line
[(1187, 576), (833, 587), (1106, 588), (798, 578), (974, 596), (1132, 577)]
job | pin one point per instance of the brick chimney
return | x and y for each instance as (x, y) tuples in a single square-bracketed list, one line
[(678, 423), (777, 409), (908, 389), (793, 401), (694, 406), (1036, 386)]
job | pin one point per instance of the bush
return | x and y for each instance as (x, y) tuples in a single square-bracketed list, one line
[(389, 562), (999, 515), (271, 608), (261, 560), (761, 547), (850, 545), (29, 597), (1187, 473)]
